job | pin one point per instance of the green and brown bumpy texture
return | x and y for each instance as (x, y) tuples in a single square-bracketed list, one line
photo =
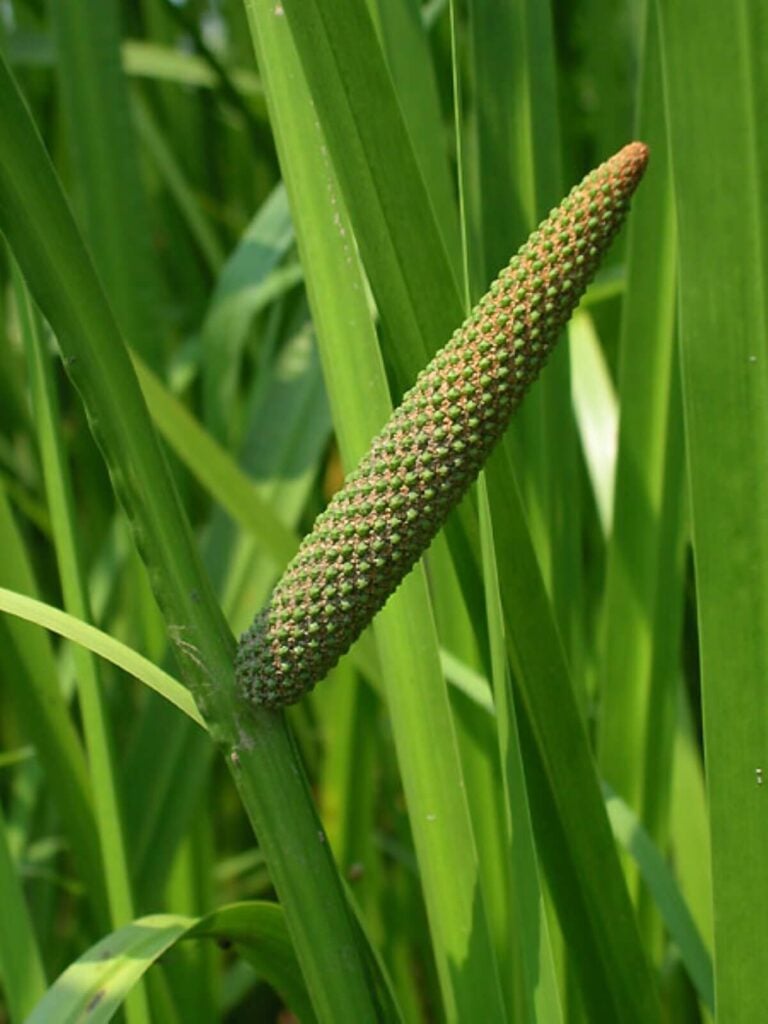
[(389, 509)]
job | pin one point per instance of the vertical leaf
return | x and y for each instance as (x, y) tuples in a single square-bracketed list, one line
[(358, 393), (93, 708), (21, 968), (645, 379), (720, 174), (260, 753), (108, 188)]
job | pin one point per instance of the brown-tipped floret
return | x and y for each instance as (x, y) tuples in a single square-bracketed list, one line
[(434, 445)]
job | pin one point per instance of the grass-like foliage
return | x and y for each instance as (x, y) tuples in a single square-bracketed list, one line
[(240, 240)]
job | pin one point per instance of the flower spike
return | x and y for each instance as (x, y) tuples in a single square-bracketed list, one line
[(434, 445)]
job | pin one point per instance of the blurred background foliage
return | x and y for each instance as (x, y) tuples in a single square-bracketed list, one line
[(281, 271)]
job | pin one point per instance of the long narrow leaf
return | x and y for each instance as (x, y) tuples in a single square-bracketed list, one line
[(416, 691), (102, 644), (92, 702), (110, 192), (21, 966), (36, 219), (719, 164), (95, 986), (338, 75)]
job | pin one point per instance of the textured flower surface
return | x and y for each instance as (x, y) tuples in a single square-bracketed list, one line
[(434, 445)]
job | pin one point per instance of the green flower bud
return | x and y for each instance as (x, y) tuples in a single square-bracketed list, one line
[(434, 445)]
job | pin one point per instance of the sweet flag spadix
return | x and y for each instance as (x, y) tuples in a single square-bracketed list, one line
[(433, 446)]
